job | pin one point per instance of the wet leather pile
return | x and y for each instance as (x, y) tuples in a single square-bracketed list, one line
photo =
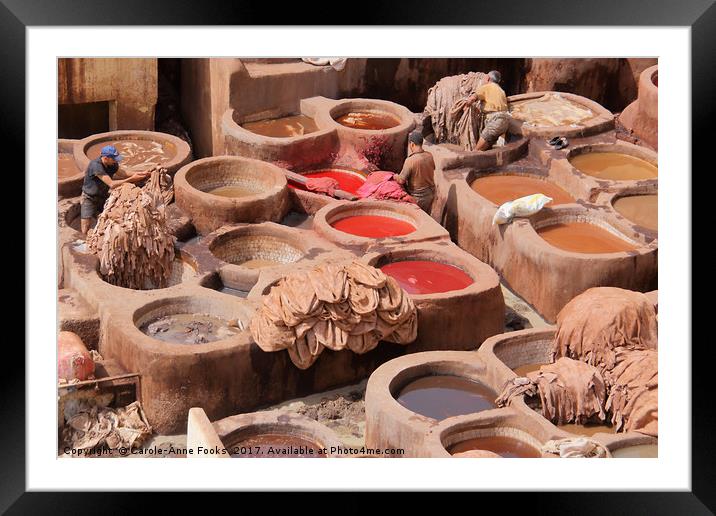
[(344, 305), (601, 320), (633, 392), (89, 425), (551, 110), (607, 364), (460, 127), (134, 245)]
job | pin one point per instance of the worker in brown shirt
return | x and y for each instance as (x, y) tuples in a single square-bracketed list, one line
[(417, 173)]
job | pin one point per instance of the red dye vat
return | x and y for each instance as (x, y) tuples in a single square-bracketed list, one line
[(347, 181), (425, 277), (373, 226)]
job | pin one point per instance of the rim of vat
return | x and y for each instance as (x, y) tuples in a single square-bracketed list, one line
[(274, 176), (530, 226), (602, 120), (474, 175), (235, 130), (227, 307), (406, 120), (241, 426), (181, 157), (480, 273)]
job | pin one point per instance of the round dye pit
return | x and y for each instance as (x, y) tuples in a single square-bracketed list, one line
[(582, 237), (642, 210), (614, 166), (137, 154), (285, 127), (189, 328), (254, 251), (66, 166), (500, 189), (550, 110), (348, 180), (426, 277), (505, 447), (373, 226), (587, 430), (370, 120), (640, 451), (443, 396), (274, 445)]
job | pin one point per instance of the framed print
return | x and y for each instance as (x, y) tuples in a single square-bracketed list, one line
[(436, 242)]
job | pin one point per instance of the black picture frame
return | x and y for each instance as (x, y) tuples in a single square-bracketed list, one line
[(699, 15)]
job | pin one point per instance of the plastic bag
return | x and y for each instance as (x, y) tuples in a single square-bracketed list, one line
[(522, 207)]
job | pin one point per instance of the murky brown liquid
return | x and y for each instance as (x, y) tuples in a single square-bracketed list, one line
[(137, 154), (444, 396), (614, 166), (550, 110), (232, 191), (581, 237), (189, 328), (640, 451), (258, 263), (642, 210), (366, 120), (527, 368), (587, 430), (501, 189), (507, 447), (66, 166), (275, 446), (286, 127)]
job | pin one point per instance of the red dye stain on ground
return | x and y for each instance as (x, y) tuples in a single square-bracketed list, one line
[(373, 226), (347, 181), (425, 277)]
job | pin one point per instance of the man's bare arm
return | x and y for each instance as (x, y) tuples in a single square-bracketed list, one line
[(114, 183)]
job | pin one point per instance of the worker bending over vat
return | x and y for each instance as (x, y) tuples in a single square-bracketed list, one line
[(494, 108), (417, 173)]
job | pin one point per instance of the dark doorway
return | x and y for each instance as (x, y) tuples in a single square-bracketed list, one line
[(81, 120)]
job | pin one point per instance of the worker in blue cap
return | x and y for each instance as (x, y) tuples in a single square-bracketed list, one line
[(102, 174)]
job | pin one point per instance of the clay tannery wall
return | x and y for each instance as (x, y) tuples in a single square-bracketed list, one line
[(268, 88), (97, 95)]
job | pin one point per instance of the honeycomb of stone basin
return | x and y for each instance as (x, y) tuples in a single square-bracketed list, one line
[(307, 150), (641, 117), (548, 277), (524, 349), (513, 249), (389, 424), (602, 119), (385, 149), (172, 153), (224, 377), (525, 435), (404, 215), (446, 319), (633, 211), (241, 435), (69, 175), (588, 187), (262, 192), (242, 253)]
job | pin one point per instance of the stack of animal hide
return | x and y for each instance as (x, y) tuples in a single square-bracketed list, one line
[(132, 240), (451, 123), (336, 306)]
